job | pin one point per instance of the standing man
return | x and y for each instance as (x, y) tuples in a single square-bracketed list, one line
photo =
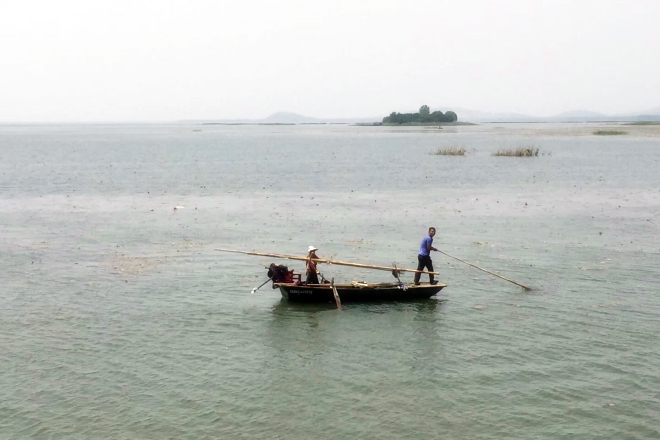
[(424, 257), (312, 277)]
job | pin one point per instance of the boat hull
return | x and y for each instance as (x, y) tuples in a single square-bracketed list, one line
[(357, 292)]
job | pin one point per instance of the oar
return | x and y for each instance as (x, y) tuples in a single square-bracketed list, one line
[(487, 271), (334, 291), (264, 283), (321, 260)]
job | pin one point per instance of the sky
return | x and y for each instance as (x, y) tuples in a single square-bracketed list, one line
[(168, 60)]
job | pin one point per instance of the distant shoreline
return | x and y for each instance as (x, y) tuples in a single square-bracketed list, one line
[(248, 123), (357, 124)]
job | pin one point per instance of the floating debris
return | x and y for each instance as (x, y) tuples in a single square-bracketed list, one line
[(124, 265)]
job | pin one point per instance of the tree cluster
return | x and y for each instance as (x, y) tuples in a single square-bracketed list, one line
[(424, 115)]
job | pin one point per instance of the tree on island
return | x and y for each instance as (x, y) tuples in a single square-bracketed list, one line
[(451, 116), (424, 115)]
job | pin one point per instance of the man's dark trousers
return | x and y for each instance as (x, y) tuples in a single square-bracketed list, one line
[(424, 261)]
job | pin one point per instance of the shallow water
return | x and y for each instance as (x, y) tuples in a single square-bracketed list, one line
[(119, 320)]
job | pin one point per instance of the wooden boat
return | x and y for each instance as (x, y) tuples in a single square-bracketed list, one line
[(357, 291), (294, 289)]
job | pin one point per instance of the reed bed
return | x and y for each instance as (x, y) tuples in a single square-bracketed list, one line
[(609, 132), (644, 123), (451, 151), (518, 152)]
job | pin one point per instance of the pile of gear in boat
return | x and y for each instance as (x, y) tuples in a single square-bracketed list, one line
[(279, 273)]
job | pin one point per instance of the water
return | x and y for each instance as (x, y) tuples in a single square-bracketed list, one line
[(119, 320)]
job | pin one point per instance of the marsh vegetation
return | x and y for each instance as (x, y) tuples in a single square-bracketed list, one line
[(643, 123), (518, 152), (609, 132), (451, 151)]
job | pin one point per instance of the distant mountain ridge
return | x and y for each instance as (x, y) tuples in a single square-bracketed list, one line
[(291, 118), (464, 115), (570, 116)]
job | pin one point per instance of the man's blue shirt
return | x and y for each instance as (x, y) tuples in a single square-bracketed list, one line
[(428, 240)]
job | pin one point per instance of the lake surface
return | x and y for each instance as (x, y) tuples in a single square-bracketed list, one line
[(119, 320)]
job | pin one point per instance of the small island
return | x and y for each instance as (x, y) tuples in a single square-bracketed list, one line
[(424, 117)]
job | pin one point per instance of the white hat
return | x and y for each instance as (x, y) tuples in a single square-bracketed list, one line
[(311, 248)]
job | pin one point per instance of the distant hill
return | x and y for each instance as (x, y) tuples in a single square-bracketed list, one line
[(289, 118), (579, 114)]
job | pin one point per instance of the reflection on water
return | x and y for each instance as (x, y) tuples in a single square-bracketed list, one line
[(284, 308), (426, 307)]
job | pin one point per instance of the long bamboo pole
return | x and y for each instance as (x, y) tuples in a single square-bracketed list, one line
[(487, 271), (321, 260)]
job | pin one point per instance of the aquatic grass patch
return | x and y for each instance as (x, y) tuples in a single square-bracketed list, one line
[(518, 152), (451, 151), (609, 132), (643, 123)]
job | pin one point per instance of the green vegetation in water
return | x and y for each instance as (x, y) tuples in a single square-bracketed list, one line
[(451, 151), (609, 132), (518, 152), (423, 117), (644, 123)]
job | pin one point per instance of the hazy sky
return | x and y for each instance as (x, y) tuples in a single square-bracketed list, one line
[(136, 60)]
